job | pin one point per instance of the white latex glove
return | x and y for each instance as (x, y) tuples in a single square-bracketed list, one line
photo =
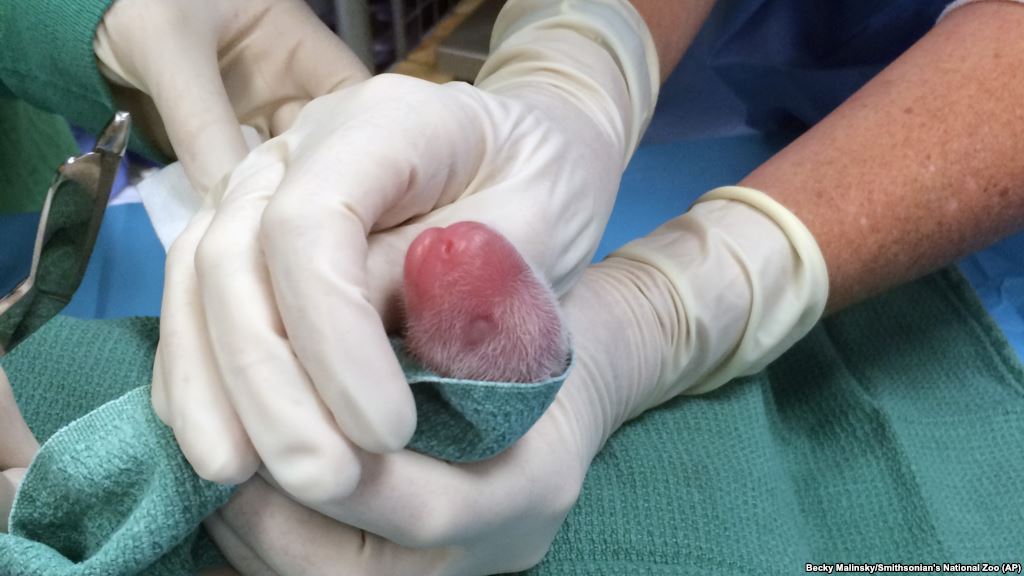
[(961, 3), (17, 448), (191, 70), (272, 342), (713, 294)]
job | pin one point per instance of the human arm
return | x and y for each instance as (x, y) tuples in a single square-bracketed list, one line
[(938, 129), (919, 167), (673, 27)]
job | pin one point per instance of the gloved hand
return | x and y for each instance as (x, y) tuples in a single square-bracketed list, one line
[(711, 295), (191, 70), (17, 448), (272, 327)]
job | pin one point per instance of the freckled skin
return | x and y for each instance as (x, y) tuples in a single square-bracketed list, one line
[(475, 309)]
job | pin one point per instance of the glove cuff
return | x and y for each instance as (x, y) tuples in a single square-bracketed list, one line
[(615, 26), (747, 280), (778, 318)]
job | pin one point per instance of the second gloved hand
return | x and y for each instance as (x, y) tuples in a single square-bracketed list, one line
[(714, 294), (273, 339), (190, 71)]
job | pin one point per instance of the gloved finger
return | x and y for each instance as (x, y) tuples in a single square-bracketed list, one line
[(417, 501), (421, 502), (322, 63), (17, 443), (196, 111), (319, 63), (292, 539), (314, 237), (237, 552), (188, 392), (290, 428)]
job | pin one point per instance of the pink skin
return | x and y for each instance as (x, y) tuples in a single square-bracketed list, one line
[(476, 310)]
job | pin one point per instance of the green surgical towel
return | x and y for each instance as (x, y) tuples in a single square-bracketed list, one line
[(102, 485), (893, 433), (111, 494)]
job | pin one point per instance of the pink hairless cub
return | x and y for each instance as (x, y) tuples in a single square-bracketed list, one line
[(476, 310)]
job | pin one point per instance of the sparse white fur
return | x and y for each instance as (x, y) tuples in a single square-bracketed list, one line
[(529, 343)]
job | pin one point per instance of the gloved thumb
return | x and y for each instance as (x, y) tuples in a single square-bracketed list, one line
[(192, 84), (180, 73), (318, 65)]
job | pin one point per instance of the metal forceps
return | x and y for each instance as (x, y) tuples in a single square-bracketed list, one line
[(68, 226)]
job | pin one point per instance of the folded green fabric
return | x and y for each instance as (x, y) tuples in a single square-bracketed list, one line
[(892, 433), (468, 420), (110, 493), (47, 60)]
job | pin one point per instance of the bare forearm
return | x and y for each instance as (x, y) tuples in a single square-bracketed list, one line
[(922, 165), (674, 25)]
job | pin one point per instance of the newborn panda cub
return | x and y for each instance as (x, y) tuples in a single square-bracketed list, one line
[(476, 310)]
